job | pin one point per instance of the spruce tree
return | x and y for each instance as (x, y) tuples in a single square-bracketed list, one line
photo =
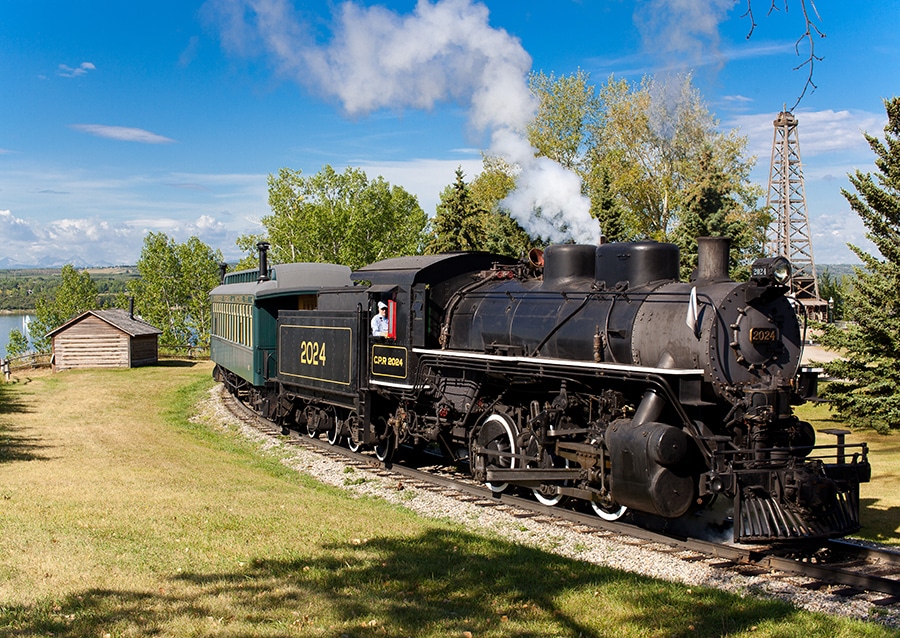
[(457, 224), (866, 392)]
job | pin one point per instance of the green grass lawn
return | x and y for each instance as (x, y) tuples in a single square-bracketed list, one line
[(121, 516)]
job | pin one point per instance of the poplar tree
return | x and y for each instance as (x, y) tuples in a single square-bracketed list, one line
[(341, 218), (172, 292), (866, 392), (640, 149), (77, 293)]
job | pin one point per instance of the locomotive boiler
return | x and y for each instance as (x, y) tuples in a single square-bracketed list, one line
[(592, 376)]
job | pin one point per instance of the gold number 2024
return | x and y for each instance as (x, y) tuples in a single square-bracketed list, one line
[(312, 353)]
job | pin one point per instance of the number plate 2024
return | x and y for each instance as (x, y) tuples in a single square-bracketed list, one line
[(763, 335)]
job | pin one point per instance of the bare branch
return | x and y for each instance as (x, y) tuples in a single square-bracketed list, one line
[(749, 14), (810, 34)]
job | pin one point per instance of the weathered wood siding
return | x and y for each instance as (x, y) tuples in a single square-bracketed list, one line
[(93, 343), (144, 350)]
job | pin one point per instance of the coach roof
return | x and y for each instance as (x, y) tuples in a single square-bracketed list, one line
[(289, 279)]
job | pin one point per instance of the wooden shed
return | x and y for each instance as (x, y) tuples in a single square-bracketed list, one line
[(104, 339)]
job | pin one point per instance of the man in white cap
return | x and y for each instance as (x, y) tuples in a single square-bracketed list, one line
[(380, 321)]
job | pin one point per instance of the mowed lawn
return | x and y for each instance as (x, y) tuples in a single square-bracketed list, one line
[(122, 516)]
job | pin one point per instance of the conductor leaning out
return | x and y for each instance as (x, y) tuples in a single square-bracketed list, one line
[(380, 321)]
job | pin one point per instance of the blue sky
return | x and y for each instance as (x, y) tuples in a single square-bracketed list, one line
[(120, 118)]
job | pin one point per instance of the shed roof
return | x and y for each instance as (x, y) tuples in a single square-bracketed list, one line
[(117, 318)]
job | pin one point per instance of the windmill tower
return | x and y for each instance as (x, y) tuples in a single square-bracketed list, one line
[(788, 235)]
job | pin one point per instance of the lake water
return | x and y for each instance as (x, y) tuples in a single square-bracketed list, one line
[(7, 323)]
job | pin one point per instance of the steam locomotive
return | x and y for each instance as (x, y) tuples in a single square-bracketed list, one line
[(585, 373)]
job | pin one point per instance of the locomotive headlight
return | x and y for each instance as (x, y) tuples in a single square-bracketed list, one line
[(771, 270), (782, 273)]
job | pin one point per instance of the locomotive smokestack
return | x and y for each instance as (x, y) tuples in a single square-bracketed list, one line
[(712, 258), (263, 261), (223, 268)]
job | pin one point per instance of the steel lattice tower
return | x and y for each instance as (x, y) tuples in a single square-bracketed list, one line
[(788, 234)]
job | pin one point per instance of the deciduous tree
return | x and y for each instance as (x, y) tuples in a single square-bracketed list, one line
[(866, 392), (339, 218), (17, 344), (640, 149), (835, 288), (77, 293), (172, 292)]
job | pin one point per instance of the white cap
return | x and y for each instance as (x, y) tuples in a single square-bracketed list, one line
[(381, 305)]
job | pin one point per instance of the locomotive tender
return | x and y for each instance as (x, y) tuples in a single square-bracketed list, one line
[(589, 373)]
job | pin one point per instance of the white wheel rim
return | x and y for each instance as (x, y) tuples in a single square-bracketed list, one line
[(608, 514), (549, 501), (496, 488)]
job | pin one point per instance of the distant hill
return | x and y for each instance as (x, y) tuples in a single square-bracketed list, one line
[(7, 263), (21, 288), (836, 270)]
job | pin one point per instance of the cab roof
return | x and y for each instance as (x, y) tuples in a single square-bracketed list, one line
[(427, 269)]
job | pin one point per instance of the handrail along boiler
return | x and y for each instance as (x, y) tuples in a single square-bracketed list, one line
[(594, 375)]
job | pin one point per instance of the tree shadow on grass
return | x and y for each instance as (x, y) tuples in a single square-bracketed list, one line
[(13, 445), (10, 402), (439, 583), (879, 523)]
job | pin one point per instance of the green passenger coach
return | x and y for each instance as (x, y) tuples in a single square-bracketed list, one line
[(243, 331)]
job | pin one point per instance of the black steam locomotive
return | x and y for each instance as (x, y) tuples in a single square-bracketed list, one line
[(585, 373)]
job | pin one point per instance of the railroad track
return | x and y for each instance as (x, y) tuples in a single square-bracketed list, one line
[(845, 568)]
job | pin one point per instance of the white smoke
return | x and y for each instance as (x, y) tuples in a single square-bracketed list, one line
[(683, 30), (443, 51)]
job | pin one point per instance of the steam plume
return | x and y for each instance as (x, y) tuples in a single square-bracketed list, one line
[(443, 51), (685, 30)]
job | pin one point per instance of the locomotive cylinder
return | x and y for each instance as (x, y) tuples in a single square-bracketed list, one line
[(644, 467)]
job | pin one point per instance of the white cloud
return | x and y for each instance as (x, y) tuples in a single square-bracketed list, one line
[(830, 234), (68, 72), (819, 132), (424, 178), (96, 241), (76, 213), (123, 133), (14, 229)]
